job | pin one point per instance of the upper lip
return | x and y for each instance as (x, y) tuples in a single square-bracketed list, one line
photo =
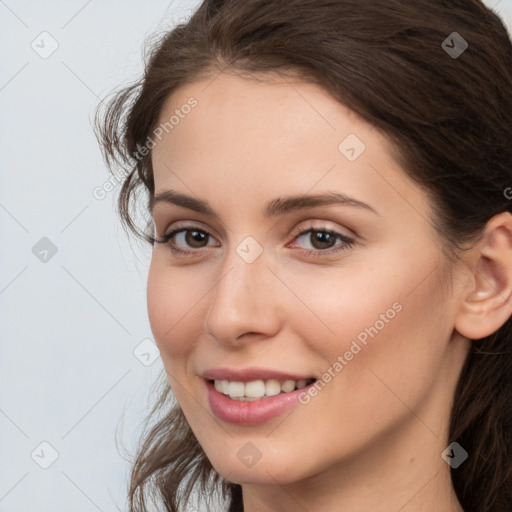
[(250, 374)]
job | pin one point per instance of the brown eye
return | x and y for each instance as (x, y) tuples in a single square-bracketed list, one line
[(186, 240), (195, 239), (322, 239)]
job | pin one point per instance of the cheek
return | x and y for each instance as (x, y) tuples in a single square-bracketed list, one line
[(374, 320), (172, 301), (402, 339), (335, 307)]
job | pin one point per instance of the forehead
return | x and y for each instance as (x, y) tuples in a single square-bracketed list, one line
[(236, 108), (273, 134)]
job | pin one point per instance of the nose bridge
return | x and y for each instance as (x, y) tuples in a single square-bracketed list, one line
[(241, 301)]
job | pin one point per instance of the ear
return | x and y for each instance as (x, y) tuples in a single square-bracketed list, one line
[(486, 303)]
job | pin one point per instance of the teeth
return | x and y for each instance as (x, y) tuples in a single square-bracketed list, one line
[(288, 385), (272, 387), (256, 389), (301, 383), (236, 389)]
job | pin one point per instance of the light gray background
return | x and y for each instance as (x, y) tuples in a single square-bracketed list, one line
[(75, 340)]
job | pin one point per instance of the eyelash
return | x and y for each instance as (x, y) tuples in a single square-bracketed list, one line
[(348, 242)]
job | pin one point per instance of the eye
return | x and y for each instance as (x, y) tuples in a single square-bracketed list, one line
[(322, 240), (180, 239)]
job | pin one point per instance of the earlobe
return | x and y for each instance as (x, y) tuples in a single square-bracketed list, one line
[(488, 305)]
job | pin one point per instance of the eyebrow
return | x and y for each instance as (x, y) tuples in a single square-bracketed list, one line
[(275, 207)]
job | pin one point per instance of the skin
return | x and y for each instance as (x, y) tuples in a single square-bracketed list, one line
[(372, 438)]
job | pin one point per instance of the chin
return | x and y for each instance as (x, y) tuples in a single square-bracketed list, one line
[(262, 473)]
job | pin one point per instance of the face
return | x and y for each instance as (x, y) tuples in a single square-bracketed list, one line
[(354, 295)]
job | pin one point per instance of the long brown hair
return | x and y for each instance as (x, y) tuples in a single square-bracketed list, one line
[(449, 119)]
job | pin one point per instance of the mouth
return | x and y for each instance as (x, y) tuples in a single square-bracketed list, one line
[(257, 389), (256, 401)]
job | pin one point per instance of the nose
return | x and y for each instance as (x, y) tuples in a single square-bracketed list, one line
[(244, 302)]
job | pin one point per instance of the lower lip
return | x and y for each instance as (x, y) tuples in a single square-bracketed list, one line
[(253, 412)]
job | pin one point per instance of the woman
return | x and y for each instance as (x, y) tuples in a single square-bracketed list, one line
[(331, 278)]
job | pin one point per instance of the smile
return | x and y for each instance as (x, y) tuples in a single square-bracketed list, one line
[(252, 410), (258, 389)]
